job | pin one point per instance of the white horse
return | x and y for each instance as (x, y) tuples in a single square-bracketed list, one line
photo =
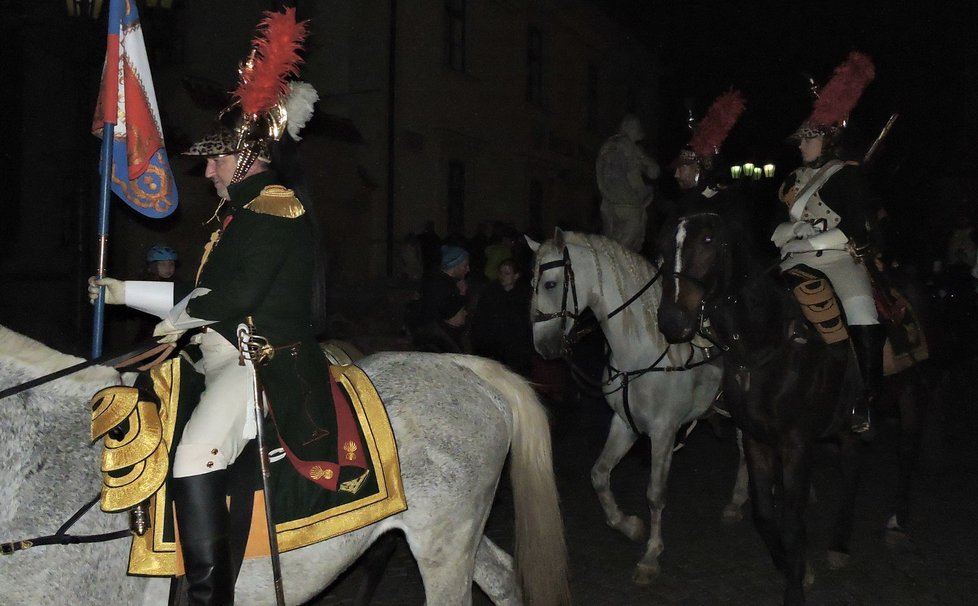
[(653, 388), (454, 417)]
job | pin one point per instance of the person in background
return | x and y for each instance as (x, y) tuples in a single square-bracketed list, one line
[(443, 282), (161, 262), (447, 333), (501, 327), (499, 249)]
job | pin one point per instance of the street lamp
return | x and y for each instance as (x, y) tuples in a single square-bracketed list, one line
[(768, 170), (748, 170), (84, 8), (735, 172), (756, 173)]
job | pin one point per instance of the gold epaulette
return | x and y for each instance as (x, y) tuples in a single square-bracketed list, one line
[(278, 201)]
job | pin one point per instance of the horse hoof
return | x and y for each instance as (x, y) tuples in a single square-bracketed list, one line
[(838, 560), (732, 515), (645, 574), (633, 528)]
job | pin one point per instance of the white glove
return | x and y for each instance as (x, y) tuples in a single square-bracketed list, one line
[(804, 229), (167, 331), (115, 290), (797, 246)]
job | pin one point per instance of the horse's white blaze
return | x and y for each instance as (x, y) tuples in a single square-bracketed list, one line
[(678, 265)]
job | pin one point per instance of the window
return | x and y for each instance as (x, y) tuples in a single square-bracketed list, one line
[(455, 34), (536, 205), (456, 197), (534, 66), (591, 116)]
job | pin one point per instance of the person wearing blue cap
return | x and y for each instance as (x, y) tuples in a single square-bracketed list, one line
[(161, 262), (444, 282)]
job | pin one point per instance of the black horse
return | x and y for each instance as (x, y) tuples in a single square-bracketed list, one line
[(784, 387)]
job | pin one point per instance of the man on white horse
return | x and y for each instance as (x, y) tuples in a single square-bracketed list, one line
[(258, 266), (624, 173)]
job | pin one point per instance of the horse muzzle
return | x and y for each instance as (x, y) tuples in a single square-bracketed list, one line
[(676, 324)]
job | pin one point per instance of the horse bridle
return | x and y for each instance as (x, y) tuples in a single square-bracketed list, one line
[(567, 341), (707, 303), (569, 288)]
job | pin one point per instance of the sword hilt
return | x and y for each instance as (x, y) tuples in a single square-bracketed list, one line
[(253, 347)]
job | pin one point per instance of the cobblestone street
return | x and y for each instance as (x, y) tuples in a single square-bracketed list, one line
[(707, 562)]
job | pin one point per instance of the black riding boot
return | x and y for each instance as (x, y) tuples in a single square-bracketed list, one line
[(202, 520), (867, 341)]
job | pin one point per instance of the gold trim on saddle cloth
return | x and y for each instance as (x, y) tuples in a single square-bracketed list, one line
[(152, 556), (134, 465), (378, 439)]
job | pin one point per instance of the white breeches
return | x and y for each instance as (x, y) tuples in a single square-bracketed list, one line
[(849, 279), (221, 424)]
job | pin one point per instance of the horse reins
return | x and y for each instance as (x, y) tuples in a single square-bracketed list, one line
[(61, 537), (613, 373)]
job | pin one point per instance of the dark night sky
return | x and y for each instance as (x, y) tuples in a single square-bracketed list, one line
[(925, 58)]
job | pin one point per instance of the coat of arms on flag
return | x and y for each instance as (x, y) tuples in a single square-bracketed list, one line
[(141, 173)]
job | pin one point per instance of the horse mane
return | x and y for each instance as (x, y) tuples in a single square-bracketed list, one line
[(754, 277), (631, 271), (41, 359)]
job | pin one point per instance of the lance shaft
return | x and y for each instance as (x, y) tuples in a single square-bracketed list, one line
[(879, 138), (257, 350)]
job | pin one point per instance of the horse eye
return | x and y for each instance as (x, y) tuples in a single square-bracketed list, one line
[(707, 239), (549, 284)]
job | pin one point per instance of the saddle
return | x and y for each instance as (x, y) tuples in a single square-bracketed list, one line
[(139, 426), (905, 344)]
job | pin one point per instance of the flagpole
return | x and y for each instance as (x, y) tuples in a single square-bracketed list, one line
[(105, 188), (151, 193)]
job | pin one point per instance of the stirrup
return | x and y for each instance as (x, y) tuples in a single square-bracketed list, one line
[(859, 423)]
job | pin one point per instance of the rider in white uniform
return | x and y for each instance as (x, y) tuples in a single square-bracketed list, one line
[(829, 212)]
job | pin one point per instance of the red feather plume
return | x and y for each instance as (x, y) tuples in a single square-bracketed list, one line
[(840, 95), (275, 58), (713, 129)]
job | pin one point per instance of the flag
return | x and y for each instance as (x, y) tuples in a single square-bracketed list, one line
[(141, 173)]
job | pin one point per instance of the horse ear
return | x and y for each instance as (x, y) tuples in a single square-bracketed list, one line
[(533, 244), (559, 238)]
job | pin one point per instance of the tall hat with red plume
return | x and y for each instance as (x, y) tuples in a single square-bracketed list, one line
[(837, 98), (265, 103), (710, 133)]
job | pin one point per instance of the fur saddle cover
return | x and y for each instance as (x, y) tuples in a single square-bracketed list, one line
[(139, 426)]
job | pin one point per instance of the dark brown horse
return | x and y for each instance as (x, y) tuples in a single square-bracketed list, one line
[(784, 387)]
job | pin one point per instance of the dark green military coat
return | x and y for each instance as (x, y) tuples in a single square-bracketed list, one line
[(262, 267)]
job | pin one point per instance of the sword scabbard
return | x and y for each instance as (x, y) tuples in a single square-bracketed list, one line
[(257, 350)]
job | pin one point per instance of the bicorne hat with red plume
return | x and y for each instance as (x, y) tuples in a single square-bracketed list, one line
[(710, 133), (265, 103), (836, 99)]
